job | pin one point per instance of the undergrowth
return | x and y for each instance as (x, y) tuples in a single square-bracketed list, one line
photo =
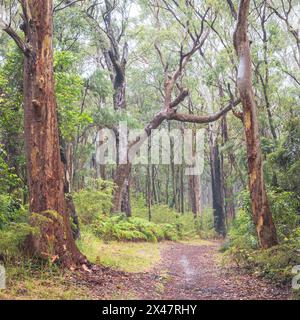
[(93, 205), (129, 256), (277, 262)]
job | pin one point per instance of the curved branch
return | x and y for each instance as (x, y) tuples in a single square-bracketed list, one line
[(202, 119), (18, 40)]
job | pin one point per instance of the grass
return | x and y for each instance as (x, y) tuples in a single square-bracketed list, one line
[(26, 283), (125, 256), (197, 242)]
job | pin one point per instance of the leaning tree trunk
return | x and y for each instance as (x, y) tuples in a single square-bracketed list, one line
[(44, 166), (260, 206)]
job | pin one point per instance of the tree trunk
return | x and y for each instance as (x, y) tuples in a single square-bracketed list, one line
[(260, 206), (167, 186), (67, 160), (123, 170), (217, 190), (122, 173), (194, 191), (194, 185), (126, 203), (148, 183), (44, 166), (227, 185), (181, 193)]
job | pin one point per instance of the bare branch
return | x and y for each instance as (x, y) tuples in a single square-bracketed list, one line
[(232, 9), (18, 40), (203, 119), (67, 5)]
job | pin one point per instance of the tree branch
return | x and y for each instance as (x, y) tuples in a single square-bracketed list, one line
[(202, 119), (18, 40), (68, 4)]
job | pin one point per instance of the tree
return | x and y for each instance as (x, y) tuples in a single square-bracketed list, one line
[(115, 59), (45, 170), (260, 206)]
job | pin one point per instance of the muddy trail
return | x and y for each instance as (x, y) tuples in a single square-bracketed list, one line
[(196, 274), (188, 272)]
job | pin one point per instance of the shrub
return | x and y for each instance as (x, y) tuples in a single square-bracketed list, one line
[(10, 192), (93, 201), (274, 263), (185, 225), (242, 244), (12, 239), (284, 206), (242, 233), (170, 232), (11, 210), (121, 228)]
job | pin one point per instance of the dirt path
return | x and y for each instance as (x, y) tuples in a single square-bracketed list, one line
[(186, 271), (195, 274)]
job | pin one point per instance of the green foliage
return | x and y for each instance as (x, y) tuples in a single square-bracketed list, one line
[(11, 116), (8, 179), (109, 118), (93, 201), (121, 228), (69, 88), (242, 244), (12, 239), (99, 84), (126, 256), (185, 224), (11, 209), (285, 160), (275, 263), (284, 207), (205, 225), (242, 233)]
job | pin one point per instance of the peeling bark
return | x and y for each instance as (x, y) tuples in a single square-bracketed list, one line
[(45, 170), (260, 206)]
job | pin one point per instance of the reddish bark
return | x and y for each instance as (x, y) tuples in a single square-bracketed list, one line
[(260, 206), (44, 166)]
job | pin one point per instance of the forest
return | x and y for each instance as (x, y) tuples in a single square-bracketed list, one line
[(150, 149)]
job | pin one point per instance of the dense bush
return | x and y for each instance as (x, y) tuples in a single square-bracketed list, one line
[(242, 233), (284, 207), (93, 205), (185, 224), (242, 244), (12, 239), (275, 263), (285, 159), (94, 200), (10, 203), (11, 210), (121, 228)]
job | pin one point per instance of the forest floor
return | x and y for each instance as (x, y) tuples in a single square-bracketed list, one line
[(189, 270)]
